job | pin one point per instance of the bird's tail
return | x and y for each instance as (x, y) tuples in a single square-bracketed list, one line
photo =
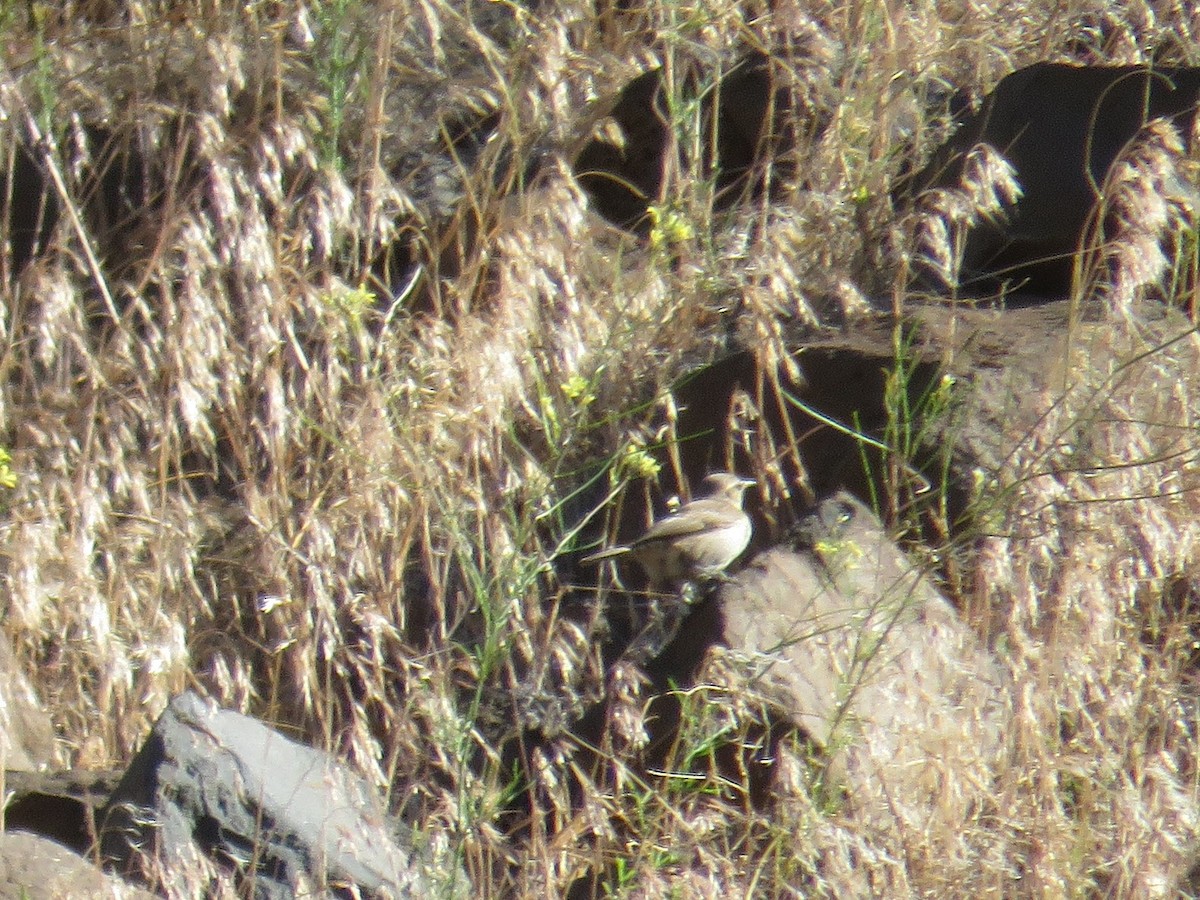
[(603, 555)]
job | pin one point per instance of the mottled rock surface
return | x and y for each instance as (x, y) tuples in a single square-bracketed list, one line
[(857, 646), (211, 786)]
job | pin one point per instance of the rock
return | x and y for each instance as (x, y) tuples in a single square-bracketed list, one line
[(27, 739), (213, 786), (33, 867), (854, 643)]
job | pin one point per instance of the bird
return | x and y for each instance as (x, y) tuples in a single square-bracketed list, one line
[(697, 542)]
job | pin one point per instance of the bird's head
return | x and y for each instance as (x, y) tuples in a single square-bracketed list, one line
[(728, 485)]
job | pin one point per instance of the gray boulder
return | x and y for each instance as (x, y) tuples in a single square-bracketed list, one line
[(215, 790)]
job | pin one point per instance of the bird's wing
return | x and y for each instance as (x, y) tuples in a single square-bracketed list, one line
[(697, 516)]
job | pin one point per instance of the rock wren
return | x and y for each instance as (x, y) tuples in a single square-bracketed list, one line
[(695, 543)]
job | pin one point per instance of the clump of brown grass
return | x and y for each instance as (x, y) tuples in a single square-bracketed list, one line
[(1099, 507), (944, 216), (244, 461), (1144, 221)]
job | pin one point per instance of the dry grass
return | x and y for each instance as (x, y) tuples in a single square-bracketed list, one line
[(244, 464)]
